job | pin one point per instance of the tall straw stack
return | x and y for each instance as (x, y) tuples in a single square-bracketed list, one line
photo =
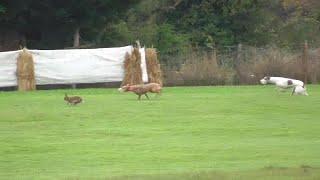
[(25, 71), (132, 68), (153, 66)]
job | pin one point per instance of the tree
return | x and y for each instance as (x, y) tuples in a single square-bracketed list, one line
[(220, 22), (54, 23), (2, 9)]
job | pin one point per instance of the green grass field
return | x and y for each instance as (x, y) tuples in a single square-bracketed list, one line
[(246, 132)]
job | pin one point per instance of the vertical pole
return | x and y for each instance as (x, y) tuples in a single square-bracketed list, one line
[(76, 44), (239, 53), (214, 56), (238, 60), (76, 37), (305, 62), (255, 54)]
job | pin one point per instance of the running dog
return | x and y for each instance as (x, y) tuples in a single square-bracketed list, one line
[(142, 89), (286, 83)]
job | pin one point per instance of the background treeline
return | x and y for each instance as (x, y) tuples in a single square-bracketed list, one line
[(197, 39), (169, 25)]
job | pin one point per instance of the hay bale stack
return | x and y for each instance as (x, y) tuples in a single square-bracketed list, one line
[(25, 71), (132, 68), (153, 66)]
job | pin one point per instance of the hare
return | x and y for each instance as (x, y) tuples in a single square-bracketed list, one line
[(74, 100)]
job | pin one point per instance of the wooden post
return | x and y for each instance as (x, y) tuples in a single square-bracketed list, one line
[(255, 54), (76, 43), (76, 37), (214, 56), (238, 61), (305, 62)]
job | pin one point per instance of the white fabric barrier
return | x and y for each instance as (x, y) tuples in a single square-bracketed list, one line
[(71, 66), (143, 65), (8, 68)]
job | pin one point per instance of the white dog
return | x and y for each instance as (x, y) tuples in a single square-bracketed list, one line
[(286, 83)]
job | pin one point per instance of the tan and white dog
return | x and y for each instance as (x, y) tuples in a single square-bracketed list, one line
[(286, 83), (142, 89)]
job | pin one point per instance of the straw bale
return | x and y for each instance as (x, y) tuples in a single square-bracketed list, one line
[(25, 71), (132, 68), (153, 66)]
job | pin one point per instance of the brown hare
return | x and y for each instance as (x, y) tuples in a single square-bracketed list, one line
[(74, 100)]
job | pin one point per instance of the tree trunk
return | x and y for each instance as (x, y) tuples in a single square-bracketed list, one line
[(76, 37)]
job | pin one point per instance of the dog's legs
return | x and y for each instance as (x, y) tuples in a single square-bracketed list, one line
[(146, 96), (158, 94), (280, 90), (293, 90)]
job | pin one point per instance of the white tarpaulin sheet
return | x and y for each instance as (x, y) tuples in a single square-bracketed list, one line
[(143, 65), (71, 66), (8, 68)]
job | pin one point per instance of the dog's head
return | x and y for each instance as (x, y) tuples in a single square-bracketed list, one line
[(265, 80), (124, 88)]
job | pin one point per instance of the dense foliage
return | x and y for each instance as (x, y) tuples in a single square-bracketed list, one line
[(51, 23), (169, 25)]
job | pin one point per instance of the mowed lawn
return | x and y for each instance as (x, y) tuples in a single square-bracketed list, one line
[(244, 132)]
